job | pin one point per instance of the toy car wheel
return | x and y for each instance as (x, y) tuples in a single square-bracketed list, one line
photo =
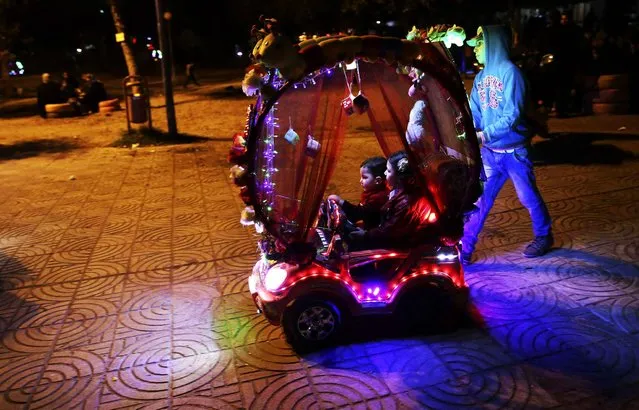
[(312, 322)]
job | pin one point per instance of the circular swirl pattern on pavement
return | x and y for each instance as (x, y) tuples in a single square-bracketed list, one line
[(290, 391), (507, 388)]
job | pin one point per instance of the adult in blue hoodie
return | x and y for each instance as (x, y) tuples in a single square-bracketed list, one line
[(498, 102)]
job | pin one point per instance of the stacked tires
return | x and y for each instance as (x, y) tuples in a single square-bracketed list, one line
[(59, 110), (108, 106), (610, 95)]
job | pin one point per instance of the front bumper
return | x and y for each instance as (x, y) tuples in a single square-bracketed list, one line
[(266, 303), (270, 310)]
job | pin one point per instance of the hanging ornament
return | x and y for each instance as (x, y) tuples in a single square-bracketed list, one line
[(291, 136), (312, 147), (237, 171), (237, 154), (239, 175), (347, 105), (238, 140), (248, 216), (244, 195), (360, 104), (357, 104)]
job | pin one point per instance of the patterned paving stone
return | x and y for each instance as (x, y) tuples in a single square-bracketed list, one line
[(469, 352), (590, 370), (622, 311), (506, 387), (289, 391), (21, 374), (101, 288), (250, 329), (337, 387), (260, 360), (126, 288), (410, 368)]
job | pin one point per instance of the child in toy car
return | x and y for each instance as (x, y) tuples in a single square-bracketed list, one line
[(403, 216), (374, 195)]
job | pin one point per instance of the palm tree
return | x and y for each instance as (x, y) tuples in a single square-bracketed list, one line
[(131, 66)]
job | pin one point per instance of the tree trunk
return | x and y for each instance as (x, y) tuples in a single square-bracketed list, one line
[(131, 66)]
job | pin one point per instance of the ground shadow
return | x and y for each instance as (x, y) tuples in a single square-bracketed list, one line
[(189, 101), (229, 93), (372, 329), (13, 275), (578, 149), (33, 148), (152, 137)]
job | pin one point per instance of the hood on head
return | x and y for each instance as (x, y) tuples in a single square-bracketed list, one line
[(497, 41)]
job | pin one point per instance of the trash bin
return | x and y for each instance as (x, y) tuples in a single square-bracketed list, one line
[(137, 107), (136, 97)]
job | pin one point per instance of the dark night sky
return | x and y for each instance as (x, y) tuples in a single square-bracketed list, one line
[(208, 30)]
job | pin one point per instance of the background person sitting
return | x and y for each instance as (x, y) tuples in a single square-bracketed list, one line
[(70, 86), (93, 91), (48, 93)]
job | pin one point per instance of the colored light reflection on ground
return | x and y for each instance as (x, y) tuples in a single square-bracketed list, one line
[(126, 287)]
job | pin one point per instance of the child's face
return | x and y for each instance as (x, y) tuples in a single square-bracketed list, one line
[(367, 180), (480, 51), (391, 176)]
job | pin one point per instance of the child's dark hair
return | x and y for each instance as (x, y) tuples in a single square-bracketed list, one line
[(400, 163), (376, 165)]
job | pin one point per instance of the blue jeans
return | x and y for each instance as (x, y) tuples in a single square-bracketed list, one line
[(499, 167)]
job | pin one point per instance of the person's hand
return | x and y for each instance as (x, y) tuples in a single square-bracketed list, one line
[(481, 137), (335, 198)]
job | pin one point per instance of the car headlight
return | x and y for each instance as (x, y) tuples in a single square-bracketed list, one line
[(274, 278)]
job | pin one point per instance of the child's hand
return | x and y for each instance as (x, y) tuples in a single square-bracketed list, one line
[(336, 199), (357, 233)]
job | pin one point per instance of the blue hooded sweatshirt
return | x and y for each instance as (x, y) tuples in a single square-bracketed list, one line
[(498, 98)]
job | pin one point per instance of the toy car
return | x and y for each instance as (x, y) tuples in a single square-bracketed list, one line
[(307, 280)]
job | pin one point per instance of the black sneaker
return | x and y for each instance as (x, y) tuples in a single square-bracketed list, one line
[(539, 246)]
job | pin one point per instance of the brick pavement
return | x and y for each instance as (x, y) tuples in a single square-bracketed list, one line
[(126, 288)]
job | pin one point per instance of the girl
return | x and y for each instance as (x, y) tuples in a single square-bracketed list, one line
[(402, 216)]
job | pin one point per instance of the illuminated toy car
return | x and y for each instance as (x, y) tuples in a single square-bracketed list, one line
[(306, 279), (311, 302)]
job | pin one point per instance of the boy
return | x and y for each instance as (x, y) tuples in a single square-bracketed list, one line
[(498, 104), (374, 196)]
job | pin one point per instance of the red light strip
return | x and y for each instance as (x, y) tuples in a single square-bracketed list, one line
[(366, 298)]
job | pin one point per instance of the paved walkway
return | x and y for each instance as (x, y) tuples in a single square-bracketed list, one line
[(125, 287)]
